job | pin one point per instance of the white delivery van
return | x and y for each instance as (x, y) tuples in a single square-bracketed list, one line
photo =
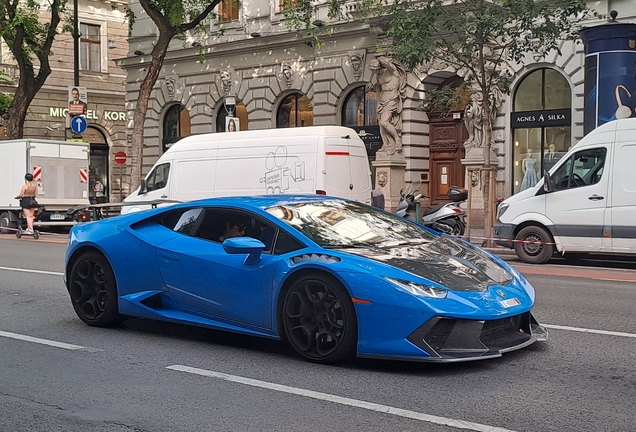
[(586, 203), (328, 160)]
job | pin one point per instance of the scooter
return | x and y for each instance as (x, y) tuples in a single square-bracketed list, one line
[(445, 217)]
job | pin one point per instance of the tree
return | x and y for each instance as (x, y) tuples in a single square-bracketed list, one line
[(171, 18), (29, 38), (479, 39)]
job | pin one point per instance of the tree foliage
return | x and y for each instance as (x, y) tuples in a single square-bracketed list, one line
[(172, 18), (29, 28)]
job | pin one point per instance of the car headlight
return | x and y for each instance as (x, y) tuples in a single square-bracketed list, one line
[(502, 209), (419, 290)]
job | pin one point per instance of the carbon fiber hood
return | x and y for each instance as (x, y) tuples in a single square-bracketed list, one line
[(447, 261)]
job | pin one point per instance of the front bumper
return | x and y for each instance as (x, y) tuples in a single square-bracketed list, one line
[(456, 340), (504, 233)]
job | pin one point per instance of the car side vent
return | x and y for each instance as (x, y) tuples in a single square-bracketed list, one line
[(328, 259), (153, 302)]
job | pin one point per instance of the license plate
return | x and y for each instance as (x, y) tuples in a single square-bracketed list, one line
[(57, 217), (510, 302)]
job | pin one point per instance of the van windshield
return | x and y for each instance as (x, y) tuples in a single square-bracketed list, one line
[(337, 224)]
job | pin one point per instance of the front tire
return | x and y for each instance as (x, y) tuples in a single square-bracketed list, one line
[(319, 319), (533, 250), (93, 291)]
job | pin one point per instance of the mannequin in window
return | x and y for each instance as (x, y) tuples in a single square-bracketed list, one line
[(551, 157), (529, 168)]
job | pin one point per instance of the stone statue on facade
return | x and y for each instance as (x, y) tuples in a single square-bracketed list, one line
[(356, 64), (390, 87), (474, 116), (226, 82)]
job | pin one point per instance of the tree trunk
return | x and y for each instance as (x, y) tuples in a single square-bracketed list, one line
[(154, 68), (489, 172)]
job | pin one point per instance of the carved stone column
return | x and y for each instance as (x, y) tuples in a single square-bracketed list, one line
[(389, 177)]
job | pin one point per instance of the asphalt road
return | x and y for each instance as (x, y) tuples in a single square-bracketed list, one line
[(150, 376)]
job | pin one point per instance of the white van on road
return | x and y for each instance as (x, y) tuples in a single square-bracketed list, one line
[(329, 160), (586, 203)]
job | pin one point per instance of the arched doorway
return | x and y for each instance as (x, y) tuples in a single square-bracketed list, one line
[(541, 125), (176, 125), (359, 112), (295, 111), (239, 111), (98, 164), (447, 134)]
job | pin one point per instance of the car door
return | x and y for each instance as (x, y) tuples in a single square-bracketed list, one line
[(202, 277), (577, 207)]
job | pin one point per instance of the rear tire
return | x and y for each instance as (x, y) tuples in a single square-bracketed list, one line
[(531, 252), (5, 222), (93, 291)]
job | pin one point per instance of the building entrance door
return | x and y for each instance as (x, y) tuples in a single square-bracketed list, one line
[(98, 166), (446, 150)]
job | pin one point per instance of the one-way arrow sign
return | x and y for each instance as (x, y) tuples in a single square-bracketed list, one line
[(79, 124)]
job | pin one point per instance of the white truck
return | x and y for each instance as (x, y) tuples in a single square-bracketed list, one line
[(60, 170)]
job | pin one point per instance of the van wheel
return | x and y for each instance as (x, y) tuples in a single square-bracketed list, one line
[(5, 222), (534, 249)]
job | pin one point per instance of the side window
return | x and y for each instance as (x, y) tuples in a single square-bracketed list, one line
[(158, 178), (188, 221), (584, 168), (286, 243)]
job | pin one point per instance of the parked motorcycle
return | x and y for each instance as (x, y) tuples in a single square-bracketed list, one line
[(444, 217)]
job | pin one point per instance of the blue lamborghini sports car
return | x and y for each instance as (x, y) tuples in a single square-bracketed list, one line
[(333, 278)]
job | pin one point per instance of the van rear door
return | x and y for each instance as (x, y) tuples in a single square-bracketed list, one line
[(347, 169)]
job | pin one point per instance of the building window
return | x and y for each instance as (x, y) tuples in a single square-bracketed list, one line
[(283, 4), (295, 110), (239, 111), (360, 108), (90, 48), (228, 11), (541, 124), (176, 125)]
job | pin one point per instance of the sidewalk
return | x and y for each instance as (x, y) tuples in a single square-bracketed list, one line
[(477, 237)]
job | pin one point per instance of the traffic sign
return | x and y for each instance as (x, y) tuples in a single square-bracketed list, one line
[(79, 124), (120, 158)]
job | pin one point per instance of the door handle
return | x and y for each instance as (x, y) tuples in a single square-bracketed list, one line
[(596, 197), (164, 196), (169, 257)]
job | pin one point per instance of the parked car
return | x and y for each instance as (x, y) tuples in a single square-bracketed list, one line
[(333, 277)]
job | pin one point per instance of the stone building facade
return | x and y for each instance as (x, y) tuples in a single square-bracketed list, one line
[(103, 39), (279, 79)]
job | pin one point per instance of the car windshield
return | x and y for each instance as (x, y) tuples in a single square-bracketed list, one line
[(336, 224)]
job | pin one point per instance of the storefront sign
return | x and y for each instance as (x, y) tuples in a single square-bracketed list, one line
[(90, 114), (368, 134), (528, 119)]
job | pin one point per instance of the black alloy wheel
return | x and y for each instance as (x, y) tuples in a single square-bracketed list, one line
[(319, 319), (532, 247), (93, 291)]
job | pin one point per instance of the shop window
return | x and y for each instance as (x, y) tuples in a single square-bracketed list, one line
[(228, 11), (176, 125), (295, 111), (90, 48), (541, 123), (360, 108), (239, 111)]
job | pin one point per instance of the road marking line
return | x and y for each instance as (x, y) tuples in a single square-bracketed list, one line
[(585, 330), (32, 271), (48, 342), (459, 424)]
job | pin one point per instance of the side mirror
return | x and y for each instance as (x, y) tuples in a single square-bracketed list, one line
[(143, 188), (548, 185), (245, 245)]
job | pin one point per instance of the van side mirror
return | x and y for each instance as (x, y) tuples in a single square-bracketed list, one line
[(548, 185), (142, 188)]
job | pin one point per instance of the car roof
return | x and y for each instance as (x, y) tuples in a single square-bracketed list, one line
[(262, 201)]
